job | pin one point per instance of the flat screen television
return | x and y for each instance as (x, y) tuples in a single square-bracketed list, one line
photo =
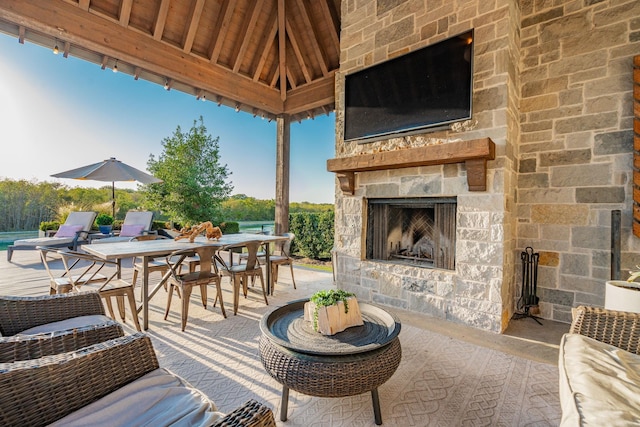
[(426, 88)]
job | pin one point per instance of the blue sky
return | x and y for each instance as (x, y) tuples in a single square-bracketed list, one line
[(61, 113)]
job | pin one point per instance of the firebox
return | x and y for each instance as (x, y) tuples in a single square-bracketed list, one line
[(414, 231)]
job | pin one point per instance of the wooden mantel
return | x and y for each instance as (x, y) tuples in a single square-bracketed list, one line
[(473, 153)]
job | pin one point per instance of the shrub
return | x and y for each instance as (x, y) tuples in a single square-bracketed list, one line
[(314, 234), (49, 225)]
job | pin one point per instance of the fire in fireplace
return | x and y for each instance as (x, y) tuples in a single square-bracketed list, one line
[(415, 231)]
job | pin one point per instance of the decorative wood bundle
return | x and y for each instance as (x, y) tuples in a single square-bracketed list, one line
[(331, 319)]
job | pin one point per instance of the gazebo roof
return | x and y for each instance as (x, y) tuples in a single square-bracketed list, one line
[(266, 57)]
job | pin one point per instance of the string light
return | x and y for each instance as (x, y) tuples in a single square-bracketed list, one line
[(115, 67), (55, 48)]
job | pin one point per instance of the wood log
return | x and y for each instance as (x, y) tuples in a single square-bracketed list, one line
[(333, 318)]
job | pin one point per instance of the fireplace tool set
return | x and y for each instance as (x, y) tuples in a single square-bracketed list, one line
[(528, 298)]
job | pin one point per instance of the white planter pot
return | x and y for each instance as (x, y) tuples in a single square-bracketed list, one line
[(621, 295)]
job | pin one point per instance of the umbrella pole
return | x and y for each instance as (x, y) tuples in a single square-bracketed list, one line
[(113, 199)]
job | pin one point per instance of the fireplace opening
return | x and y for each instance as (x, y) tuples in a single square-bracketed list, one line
[(414, 231)]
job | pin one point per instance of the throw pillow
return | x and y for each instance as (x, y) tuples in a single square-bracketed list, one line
[(68, 230), (131, 230)]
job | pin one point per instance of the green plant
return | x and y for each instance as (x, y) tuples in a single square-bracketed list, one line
[(104, 219), (327, 298), (314, 234), (634, 274), (49, 225)]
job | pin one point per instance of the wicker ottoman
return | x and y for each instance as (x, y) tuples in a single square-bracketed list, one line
[(328, 373)]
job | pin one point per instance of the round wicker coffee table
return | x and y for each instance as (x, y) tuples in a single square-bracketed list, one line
[(354, 361)]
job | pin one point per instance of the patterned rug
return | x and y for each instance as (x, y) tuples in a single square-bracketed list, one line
[(441, 381)]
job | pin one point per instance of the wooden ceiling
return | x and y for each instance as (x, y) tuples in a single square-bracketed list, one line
[(266, 57)]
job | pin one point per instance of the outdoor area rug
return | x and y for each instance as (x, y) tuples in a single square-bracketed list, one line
[(441, 381)]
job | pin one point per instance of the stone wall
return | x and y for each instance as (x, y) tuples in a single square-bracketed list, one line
[(481, 290), (552, 89), (575, 152)]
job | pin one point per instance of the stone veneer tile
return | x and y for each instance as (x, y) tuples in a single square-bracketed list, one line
[(561, 158), (550, 259), (575, 264), (591, 237), (618, 142), (581, 175), (382, 190), (416, 186), (600, 195), (582, 284), (560, 214), (555, 296)]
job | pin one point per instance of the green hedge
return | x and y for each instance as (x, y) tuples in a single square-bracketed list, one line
[(314, 234)]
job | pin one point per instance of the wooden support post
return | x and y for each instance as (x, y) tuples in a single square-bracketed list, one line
[(283, 137), (636, 146)]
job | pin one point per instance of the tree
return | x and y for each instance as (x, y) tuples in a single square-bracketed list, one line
[(194, 181)]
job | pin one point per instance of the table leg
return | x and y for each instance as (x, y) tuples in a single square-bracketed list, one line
[(284, 405), (376, 406), (145, 292), (268, 268)]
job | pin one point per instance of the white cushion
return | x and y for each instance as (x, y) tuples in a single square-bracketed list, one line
[(43, 241), (67, 324), (599, 383), (113, 239), (158, 398)]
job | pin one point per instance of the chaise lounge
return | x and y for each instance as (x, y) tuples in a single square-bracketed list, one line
[(136, 223), (71, 234)]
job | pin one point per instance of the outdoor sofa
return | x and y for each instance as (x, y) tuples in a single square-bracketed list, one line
[(115, 383), (71, 234), (599, 367), (33, 327)]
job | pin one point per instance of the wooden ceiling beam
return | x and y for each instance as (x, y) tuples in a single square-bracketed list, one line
[(308, 26), (248, 27), (192, 28), (125, 12), (313, 95), (84, 5), (21, 32), (266, 43), (110, 39), (224, 18), (332, 18), (161, 20), (296, 50), (66, 49), (282, 50)]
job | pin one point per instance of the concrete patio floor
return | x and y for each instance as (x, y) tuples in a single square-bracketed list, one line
[(220, 354)]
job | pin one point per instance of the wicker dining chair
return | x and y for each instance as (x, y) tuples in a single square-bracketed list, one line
[(33, 327), (240, 274), (207, 274), (90, 268)]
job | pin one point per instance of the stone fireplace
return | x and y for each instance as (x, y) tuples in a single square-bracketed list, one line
[(419, 232), (553, 89)]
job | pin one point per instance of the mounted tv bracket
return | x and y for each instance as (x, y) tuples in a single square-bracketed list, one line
[(474, 154)]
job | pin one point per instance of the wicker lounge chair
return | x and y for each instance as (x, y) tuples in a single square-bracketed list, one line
[(599, 368), (115, 383), (65, 322), (71, 234)]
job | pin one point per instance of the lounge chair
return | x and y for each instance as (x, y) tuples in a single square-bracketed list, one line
[(135, 224), (114, 383), (71, 234)]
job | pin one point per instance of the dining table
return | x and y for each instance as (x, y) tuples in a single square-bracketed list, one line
[(147, 250)]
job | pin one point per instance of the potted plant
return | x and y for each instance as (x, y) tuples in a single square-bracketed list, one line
[(623, 295), (333, 311), (104, 222)]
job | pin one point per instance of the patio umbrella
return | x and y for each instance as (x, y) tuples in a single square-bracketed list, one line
[(109, 170)]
